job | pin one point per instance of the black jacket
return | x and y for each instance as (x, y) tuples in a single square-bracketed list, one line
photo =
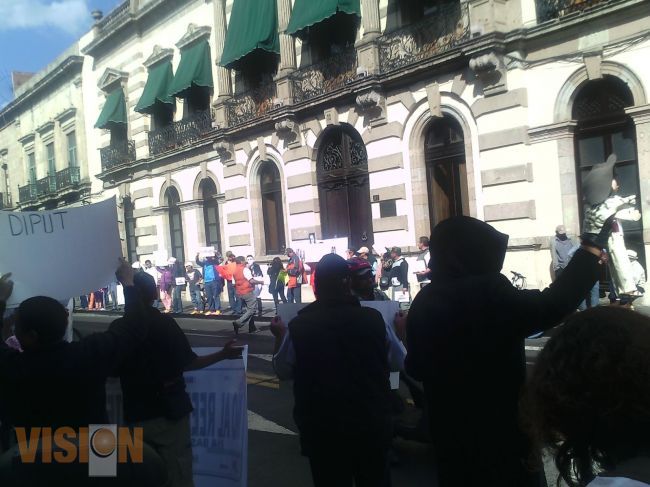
[(466, 334), (64, 384), (341, 384)]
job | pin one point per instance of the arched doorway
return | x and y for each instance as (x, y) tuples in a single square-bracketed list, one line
[(603, 128), (272, 208), (344, 188), (177, 249), (444, 152), (211, 225)]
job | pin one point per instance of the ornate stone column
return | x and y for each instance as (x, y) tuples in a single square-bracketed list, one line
[(367, 48), (224, 82), (287, 54)]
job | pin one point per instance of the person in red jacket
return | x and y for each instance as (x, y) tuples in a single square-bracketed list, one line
[(295, 270), (244, 288)]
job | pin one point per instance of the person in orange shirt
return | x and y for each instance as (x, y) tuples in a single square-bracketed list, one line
[(227, 270), (295, 269)]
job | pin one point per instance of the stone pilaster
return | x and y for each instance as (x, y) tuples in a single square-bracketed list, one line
[(287, 54), (367, 48), (641, 117), (224, 82)]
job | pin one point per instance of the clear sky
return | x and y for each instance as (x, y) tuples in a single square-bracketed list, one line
[(34, 32)]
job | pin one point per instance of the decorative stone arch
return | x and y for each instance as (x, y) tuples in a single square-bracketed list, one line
[(415, 131), (252, 177), (572, 86), (196, 187), (162, 203)]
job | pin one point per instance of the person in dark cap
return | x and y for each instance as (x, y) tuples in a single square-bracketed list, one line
[(335, 351), (600, 189), (470, 354), (561, 246)]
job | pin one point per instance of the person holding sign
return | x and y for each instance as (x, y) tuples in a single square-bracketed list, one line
[(213, 283), (55, 383), (179, 285), (166, 284), (154, 390), (342, 393)]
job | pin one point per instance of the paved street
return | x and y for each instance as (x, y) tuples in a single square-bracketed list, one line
[(274, 456)]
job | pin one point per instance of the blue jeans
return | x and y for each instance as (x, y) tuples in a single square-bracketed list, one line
[(294, 294), (234, 301), (593, 298), (196, 298), (177, 303), (212, 291)]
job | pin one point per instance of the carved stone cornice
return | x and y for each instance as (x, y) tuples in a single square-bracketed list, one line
[(288, 130), (640, 114), (158, 55), (553, 131), (194, 33), (372, 103)]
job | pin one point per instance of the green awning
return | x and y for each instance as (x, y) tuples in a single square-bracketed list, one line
[(310, 12), (253, 26), (157, 88), (114, 110), (195, 68)]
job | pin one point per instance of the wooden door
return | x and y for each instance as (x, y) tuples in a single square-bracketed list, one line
[(344, 189)]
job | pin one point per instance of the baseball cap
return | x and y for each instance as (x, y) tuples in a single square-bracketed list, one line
[(363, 250), (136, 265), (632, 254), (332, 267), (189, 264), (561, 229), (358, 266)]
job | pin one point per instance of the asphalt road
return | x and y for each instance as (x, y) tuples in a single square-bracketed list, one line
[(274, 454)]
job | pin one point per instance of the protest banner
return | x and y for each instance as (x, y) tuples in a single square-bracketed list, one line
[(388, 309), (60, 253), (314, 252), (218, 424)]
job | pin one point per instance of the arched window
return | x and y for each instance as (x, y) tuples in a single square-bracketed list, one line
[(129, 231), (603, 129), (444, 151), (272, 211), (175, 224), (208, 193)]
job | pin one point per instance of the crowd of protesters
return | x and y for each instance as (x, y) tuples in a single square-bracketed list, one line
[(587, 400)]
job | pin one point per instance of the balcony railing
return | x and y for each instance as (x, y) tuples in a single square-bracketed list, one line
[(27, 192), (434, 35), (117, 154), (251, 104), (181, 133), (114, 17), (330, 75), (46, 185), (67, 177), (553, 9)]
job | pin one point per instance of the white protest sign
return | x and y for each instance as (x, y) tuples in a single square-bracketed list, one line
[(207, 252), (60, 253), (314, 252), (218, 424), (388, 309)]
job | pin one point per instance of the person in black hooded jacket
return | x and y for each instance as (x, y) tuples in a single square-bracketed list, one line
[(465, 335)]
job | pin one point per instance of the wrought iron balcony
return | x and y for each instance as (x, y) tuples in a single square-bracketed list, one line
[(117, 154), (553, 9), (67, 177), (27, 192), (46, 185), (251, 104), (325, 77), (181, 133), (436, 34)]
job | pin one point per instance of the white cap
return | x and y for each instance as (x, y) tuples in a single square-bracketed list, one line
[(189, 264), (363, 250), (136, 265), (632, 254)]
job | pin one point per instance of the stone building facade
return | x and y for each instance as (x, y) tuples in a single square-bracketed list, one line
[(255, 125)]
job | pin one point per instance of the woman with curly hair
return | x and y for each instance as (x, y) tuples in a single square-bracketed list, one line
[(588, 399)]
